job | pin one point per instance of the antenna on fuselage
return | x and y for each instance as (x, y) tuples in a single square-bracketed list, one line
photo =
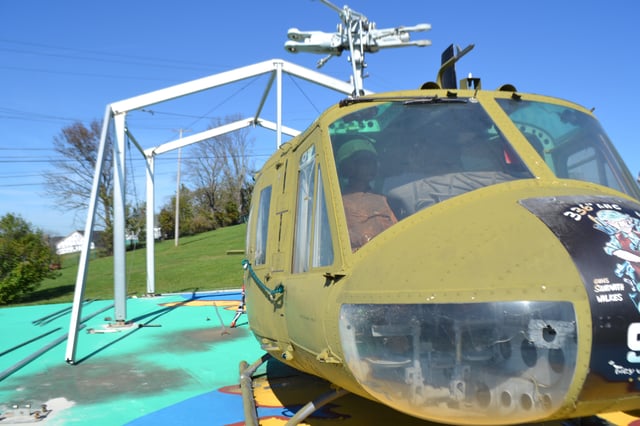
[(356, 34)]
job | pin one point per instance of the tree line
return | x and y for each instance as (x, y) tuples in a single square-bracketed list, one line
[(216, 193)]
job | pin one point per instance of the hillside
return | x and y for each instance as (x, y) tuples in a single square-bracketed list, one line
[(200, 262)]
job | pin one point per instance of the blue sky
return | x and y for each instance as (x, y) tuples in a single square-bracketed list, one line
[(65, 61)]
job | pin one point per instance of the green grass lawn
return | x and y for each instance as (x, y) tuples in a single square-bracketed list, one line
[(200, 262)]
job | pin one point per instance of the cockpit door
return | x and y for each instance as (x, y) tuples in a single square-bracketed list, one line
[(313, 251)]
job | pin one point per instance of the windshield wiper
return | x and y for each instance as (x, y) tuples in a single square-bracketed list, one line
[(434, 100), (352, 101), (406, 100)]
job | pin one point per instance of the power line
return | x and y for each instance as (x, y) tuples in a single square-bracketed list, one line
[(50, 71), (26, 175), (15, 185), (18, 114), (39, 160), (104, 56), (26, 149)]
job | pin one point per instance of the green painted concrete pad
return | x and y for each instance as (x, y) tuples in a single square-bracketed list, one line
[(179, 347)]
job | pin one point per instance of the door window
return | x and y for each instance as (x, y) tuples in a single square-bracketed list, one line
[(262, 226)]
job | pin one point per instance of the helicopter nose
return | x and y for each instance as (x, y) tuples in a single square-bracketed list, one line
[(471, 363), (475, 318), (491, 308)]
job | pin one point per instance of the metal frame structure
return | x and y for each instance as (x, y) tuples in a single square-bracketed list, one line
[(116, 114)]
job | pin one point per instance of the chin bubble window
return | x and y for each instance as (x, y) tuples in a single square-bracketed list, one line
[(471, 363)]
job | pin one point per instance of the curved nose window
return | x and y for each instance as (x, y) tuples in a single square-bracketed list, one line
[(572, 143)]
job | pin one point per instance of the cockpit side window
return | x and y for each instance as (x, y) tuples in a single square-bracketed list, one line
[(304, 210), (322, 241), (312, 243)]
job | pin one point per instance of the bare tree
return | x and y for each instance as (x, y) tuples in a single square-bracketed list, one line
[(204, 166), (219, 168), (70, 183)]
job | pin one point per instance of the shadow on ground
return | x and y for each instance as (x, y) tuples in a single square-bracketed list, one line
[(48, 294)]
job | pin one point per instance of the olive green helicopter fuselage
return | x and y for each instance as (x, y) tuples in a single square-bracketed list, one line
[(462, 255)]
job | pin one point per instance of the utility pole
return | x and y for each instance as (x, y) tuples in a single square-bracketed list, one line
[(177, 225)]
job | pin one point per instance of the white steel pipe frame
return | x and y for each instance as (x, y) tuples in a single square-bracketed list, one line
[(119, 225), (151, 237), (81, 278), (227, 77), (116, 114)]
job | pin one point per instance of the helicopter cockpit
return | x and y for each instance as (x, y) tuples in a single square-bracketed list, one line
[(428, 150)]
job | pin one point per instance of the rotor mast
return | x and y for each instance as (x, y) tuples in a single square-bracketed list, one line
[(357, 34), (356, 26)]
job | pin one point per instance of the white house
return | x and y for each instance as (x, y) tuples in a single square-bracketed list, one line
[(72, 243)]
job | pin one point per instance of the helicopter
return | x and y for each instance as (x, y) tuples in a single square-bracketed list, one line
[(462, 255)]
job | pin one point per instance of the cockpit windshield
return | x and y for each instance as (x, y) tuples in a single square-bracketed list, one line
[(396, 158), (572, 143)]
